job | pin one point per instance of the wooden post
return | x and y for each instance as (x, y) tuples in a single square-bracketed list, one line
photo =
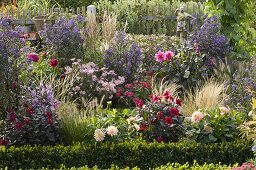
[(83, 11), (147, 13)]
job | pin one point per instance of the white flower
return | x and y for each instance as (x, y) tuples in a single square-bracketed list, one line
[(99, 135), (250, 113), (254, 148), (197, 116), (112, 131), (137, 127)]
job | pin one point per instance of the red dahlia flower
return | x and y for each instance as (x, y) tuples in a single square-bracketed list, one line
[(53, 62), (168, 120), (143, 127), (174, 111), (159, 115), (33, 57), (178, 102)]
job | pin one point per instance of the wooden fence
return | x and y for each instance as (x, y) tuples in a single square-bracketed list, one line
[(153, 18)]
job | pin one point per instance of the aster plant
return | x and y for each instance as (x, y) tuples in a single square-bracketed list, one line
[(11, 44), (209, 40), (35, 121), (242, 88), (92, 81), (64, 39), (123, 58)]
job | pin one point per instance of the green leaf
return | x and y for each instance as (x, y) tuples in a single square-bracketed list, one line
[(212, 138)]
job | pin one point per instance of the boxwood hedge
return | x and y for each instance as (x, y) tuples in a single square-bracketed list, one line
[(124, 154)]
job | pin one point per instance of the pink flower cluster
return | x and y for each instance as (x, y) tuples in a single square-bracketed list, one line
[(134, 92), (167, 96), (164, 56)]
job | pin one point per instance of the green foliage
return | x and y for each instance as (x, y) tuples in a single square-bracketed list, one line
[(169, 166), (216, 126), (161, 120), (238, 23), (151, 44), (131, 154), (186, 69)]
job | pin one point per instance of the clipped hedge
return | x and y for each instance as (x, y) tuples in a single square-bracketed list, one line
[(124, 154), (172, 166)]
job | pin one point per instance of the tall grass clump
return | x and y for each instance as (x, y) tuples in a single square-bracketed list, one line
[(208, 96), (79, 125), (109, 26)]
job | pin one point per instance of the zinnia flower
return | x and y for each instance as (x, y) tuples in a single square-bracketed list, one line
[(33, 57), (112, 131), (53, 62), (197, 116), (99, 135), (166, 94), (168, 55), (4, 141), (168, 120), (160, 56)]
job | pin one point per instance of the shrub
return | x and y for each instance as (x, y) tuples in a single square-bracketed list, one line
[(215, 126), (150, 45), (124, 59), (35, 120), (92, 81), (131, 154), (132, 92), (169, 166), (161, 119), (185, 68)]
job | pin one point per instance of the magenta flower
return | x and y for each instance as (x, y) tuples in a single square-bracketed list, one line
[(53, 62), (168, 55), (156, 98), (128, 94), (138, 102), (33, 57), (160, 56)]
